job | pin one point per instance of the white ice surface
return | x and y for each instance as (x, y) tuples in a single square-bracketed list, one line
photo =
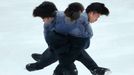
[(20, 35)]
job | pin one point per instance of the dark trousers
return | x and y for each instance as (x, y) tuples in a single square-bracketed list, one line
[(76, 45), (61, 46), (66, 50), (48, 57)]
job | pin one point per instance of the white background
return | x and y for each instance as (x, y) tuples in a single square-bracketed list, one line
[(20, 35)]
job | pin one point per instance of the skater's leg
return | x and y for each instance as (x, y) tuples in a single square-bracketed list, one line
[(47, 58), (67, 59), (67, 50), (91, 65), (36, 56), (85, 59)]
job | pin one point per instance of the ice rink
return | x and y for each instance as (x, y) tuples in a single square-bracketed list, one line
[(21, 35)]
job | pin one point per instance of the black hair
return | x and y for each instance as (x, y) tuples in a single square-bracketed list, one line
[(97, 7), (73, 10), (45, 9)]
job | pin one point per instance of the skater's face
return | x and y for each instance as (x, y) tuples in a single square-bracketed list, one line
[(48, 20), (93, 16)]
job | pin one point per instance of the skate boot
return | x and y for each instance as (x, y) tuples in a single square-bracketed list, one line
[(36, 56), (33, 67), (101, 71)]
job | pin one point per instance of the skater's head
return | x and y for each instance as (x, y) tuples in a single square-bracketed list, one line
[(74, 10), (45, 9), (95, 10)]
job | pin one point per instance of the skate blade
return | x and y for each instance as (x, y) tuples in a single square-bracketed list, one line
[(108, 72)]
